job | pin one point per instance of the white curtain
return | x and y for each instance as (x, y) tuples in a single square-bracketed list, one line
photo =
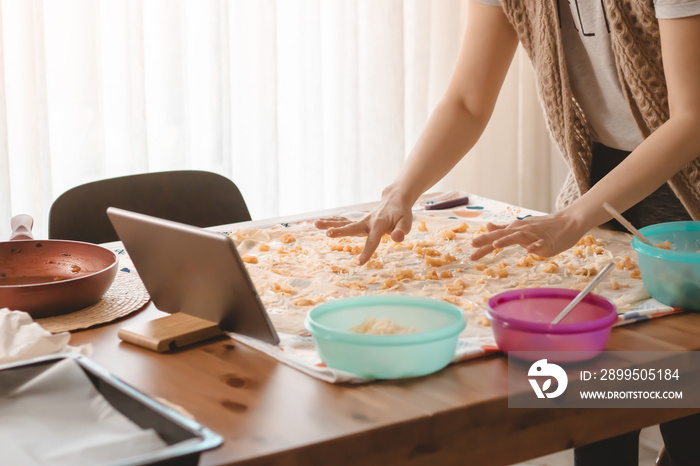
[(305, 104)]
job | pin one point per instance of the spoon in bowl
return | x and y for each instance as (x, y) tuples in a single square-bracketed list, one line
[(582, 294), (611, 210)]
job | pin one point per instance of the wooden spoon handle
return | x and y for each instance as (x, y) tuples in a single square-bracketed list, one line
[(626, 224)]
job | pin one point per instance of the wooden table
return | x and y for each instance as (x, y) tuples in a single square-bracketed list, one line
[(269, 413)]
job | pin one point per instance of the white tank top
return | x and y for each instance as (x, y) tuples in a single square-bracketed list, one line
[(591, 66)]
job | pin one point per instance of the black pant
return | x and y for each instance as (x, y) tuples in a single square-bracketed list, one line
[(682, 436), (660, 206)]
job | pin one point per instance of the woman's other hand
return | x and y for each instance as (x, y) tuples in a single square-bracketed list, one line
[(545, 235)]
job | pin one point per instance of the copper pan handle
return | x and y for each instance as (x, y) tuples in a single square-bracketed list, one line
[(21, 227)]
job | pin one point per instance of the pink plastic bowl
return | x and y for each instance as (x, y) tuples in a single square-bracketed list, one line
[(522, 321)]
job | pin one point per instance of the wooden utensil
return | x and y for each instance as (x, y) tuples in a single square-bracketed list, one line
[(592, 284), (611, 210)]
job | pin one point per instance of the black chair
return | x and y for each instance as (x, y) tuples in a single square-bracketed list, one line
[(194, 197)]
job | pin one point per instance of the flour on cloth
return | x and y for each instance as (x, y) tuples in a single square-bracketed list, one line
[(297, 266)]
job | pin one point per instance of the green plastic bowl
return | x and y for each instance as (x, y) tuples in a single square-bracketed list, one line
[(386, 356), (671, 277)]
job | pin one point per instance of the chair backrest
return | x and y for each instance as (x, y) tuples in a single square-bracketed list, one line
[(194, 197)]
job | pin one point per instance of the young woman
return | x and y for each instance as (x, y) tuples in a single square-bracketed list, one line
[(620, 84)]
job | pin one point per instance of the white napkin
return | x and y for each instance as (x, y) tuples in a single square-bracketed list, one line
[(21, 338)]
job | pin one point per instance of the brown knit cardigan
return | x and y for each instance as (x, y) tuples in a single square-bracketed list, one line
[(634, 33)]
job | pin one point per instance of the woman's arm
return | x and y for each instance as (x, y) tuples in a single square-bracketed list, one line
[(453, 128), (459, 119), (663, 154)]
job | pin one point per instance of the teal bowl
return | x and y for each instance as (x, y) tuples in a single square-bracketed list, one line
[(671, 277), (438, 325)]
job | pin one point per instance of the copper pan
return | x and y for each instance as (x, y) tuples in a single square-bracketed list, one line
[(51, 277)]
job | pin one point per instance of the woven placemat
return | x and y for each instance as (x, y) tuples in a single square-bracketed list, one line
[(126, 295)]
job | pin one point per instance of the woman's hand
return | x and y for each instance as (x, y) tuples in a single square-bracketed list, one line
[(393, 216), (544, 235)]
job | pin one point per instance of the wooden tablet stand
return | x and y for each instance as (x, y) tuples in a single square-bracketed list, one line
[(169, 332)]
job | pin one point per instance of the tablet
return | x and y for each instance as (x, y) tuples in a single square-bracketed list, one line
[(193, 271)]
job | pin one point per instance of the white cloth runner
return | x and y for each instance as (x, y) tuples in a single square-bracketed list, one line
[(297, 350)]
